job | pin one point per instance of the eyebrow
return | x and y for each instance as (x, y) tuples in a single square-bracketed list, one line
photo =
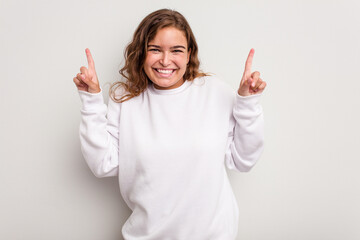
[(177, 46)]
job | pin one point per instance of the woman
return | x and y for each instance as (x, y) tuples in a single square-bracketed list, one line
[(167, 132)]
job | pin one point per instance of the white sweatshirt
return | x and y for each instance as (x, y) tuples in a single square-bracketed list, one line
[(168, 149)]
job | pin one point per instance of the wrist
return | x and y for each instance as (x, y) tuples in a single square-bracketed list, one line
[(96, 90), (243, 94)]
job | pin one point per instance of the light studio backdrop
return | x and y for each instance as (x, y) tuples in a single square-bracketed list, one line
[(306, 184)]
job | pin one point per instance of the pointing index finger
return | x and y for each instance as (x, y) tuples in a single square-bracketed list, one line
[(249, 61), (89, 59)]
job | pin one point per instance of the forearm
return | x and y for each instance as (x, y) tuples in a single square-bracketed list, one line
[(98, 143), (248, 139)]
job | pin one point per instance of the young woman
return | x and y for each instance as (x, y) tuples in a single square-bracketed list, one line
[(168, 132)]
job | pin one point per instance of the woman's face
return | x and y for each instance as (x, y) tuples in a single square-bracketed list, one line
[(166, 58)]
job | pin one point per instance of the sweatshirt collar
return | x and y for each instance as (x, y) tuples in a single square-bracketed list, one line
[(169, 91)]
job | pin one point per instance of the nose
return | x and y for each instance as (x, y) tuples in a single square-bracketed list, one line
[(165, 59)]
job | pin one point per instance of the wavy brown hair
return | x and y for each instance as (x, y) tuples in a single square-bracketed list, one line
[(135, 53)]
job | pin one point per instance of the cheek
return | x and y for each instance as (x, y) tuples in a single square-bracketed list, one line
[(150, 60), (181, 62)]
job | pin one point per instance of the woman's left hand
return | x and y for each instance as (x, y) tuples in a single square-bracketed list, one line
[(251, 83)]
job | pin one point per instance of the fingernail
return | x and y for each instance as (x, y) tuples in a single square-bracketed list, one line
[(253, 84)]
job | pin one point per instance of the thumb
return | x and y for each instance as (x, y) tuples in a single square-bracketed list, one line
[(247, 82)]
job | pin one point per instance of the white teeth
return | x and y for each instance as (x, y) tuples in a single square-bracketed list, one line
[(165, 71)]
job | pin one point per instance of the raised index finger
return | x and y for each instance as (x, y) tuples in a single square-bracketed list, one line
[(89, 59), (249, 61)]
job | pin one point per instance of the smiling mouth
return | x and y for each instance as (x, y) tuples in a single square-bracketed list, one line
[(164, 71)]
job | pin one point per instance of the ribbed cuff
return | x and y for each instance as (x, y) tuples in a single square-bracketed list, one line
[(247, 103), (91, 100)]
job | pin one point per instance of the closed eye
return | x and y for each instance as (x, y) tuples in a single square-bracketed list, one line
[(154, 50)]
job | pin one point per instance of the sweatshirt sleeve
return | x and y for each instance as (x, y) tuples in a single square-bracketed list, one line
[(99, 134), (246, 134)]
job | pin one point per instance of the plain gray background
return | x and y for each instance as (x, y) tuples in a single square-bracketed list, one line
[(306, 184)]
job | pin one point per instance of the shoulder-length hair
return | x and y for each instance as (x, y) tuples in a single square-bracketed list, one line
[(135, 53)]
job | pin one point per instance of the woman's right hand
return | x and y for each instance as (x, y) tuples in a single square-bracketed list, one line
[(87, 79)]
